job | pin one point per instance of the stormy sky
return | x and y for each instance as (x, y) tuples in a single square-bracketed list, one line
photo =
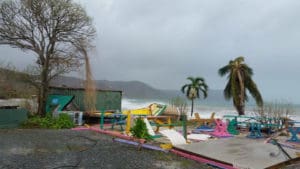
[(162, 42)]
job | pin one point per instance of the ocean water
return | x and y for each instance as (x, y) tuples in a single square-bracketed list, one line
[(128, 104), (204, 109)]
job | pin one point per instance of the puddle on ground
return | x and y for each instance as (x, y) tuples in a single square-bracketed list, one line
[(26, 151), (20, 151)]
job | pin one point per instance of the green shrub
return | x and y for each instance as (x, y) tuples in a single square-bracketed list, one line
[(140, 130), (63, 121), (37, 122), (48, 122)]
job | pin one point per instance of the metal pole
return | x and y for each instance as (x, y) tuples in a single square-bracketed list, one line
[(102, 119), (184, 126)]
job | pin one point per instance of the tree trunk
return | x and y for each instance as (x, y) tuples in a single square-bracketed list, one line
[(240, 109), (43, 91), (192, 108), (241, 104), (42, 101)]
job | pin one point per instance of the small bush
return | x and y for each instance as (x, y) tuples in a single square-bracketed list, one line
[(140, 130), (63, 121), (37, 122), (48, 122)]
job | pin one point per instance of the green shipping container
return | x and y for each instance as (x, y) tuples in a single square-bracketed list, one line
[(12, 118), (105, 99)]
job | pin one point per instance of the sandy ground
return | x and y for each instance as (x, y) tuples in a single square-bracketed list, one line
[(58, 149)]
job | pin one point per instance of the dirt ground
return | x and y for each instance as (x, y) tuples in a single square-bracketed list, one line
[(58, 149)]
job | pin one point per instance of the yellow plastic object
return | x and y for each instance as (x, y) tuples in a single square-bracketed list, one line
[(166, 146), (142, 111), (152, 110), (98, 114), (201, 121)]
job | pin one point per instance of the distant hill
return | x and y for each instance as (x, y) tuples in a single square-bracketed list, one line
[(137, 89), (12, 86), (130, 89)]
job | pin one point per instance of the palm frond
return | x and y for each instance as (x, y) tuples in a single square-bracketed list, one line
[(224, 70), (235, 87), (204, 85), (239, 59), (246, 69), (253, 90), (204, 92), (184, 87), (198, 80), (246, 96), (198, 93), (227, 91), (191, 79), (188, 93)]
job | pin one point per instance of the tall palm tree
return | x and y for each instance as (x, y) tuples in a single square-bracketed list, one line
[(193, 89), (239, 79)]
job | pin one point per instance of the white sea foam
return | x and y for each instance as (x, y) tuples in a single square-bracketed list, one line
[(129, 104), (205, 111)]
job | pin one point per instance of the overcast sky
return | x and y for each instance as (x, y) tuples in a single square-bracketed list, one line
[(161, 42)]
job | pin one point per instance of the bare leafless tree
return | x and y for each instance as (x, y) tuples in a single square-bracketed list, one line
[(180, 106), (54, 30), (275, 112)]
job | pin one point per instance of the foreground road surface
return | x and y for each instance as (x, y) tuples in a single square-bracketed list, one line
[(60, 149)]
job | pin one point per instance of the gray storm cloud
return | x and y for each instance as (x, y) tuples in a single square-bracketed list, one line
[(163, 42)]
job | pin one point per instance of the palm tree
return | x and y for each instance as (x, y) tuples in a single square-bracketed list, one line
[(193, 89), (239, 79)]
